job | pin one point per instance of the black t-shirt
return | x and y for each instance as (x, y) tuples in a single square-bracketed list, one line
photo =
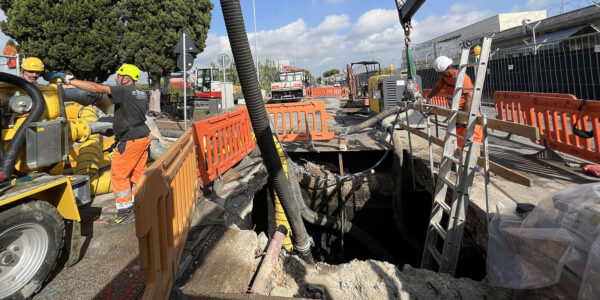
[(131, 104)]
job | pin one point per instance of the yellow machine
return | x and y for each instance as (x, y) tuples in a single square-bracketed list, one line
[(386, 90), (42, 139)]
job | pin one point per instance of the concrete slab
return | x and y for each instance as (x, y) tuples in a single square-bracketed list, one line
[(226, 264)]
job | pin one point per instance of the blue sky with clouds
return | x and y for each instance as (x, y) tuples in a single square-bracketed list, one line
[(325, 34), (322, 34)]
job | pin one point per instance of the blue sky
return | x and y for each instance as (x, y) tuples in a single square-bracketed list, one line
[(325, 34)]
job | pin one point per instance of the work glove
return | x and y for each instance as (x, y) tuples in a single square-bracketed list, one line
[(56, 75)]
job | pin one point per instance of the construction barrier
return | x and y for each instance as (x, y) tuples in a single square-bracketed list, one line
[(339, 92), (554, 116), (300, 121), (439, 99), (222, 142), (164, 206)]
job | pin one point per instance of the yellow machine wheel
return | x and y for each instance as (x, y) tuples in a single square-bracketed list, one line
[(31, 239)]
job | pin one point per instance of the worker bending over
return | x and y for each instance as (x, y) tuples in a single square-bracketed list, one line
[(132, 135), (443, 65), (32, 67)]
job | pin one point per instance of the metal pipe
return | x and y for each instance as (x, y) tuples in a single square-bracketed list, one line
[(266, 267)]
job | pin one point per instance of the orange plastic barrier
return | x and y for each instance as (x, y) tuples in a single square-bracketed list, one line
[(165, 201), (437, 99), (338, 92), (222, 141), (300, 121), (554, 115)]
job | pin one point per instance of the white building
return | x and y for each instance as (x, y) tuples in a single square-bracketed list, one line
[(449, 43)]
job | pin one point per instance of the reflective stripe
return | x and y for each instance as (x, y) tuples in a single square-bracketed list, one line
[(123, 194), (124, 205)]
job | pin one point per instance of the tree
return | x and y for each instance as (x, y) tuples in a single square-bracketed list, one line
[(152, 31), (331, 72), (80, 37)]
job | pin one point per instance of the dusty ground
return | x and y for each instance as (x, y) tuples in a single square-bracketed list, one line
[(109, 266), (373, 280)]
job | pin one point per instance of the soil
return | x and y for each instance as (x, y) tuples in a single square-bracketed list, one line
[(373, 280)]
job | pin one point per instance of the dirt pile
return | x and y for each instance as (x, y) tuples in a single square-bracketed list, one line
[(373, 280)]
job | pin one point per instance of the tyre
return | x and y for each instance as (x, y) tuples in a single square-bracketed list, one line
[(31, 239)]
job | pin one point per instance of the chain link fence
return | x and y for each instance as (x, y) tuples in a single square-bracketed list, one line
[(569, 66)]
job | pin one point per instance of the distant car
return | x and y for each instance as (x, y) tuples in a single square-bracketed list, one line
[(336, 84)]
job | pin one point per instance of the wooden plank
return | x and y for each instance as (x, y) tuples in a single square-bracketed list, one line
[(496, 168), (527, 131)]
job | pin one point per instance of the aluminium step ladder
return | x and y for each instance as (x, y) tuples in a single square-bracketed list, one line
[(465, 160)]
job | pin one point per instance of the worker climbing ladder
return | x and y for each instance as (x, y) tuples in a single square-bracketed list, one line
[(465, 160)]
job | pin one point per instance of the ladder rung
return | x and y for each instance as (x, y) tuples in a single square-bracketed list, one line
[(435, 254), (450, 184), (453, 159), (444, 206), (456, 135), (440, 230), (468, 65)]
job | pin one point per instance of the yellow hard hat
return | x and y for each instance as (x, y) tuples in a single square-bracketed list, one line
[(129, 70), (33, 64)]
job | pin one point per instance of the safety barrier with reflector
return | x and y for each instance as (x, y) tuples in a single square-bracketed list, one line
[(438, 99), (164, 206), (222, 141), (339, 92), (300, 121), (554, 115)]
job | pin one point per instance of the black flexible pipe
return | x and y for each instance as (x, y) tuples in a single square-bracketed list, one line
[(236, 30), (7, 166), (334, 223), (368, 123)]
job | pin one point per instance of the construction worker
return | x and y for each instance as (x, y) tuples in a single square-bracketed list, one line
[(443, 65), (132, 135), (32, 67)]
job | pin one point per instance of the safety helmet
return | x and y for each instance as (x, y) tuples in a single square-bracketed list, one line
[(32, 64), (129, 70), (441, 63)]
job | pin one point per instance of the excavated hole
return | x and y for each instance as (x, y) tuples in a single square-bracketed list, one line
[(382, 203)]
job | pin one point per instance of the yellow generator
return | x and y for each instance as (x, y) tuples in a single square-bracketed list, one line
[(386, 90), (42, 138)]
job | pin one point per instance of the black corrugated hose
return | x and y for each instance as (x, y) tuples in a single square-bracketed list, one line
[(7, 166), (236, 29)]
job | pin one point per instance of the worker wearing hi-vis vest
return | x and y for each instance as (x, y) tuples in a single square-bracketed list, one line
[(132, 135), (443, 65)]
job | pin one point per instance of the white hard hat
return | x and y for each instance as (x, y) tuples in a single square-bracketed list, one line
[(441, 63)]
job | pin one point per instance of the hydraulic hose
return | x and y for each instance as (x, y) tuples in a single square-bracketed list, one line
[(368, 123), (334, 223), (238, 39), (7, 166), (86, 98)]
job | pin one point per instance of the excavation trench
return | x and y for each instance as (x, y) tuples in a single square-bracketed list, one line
[(383, 203)]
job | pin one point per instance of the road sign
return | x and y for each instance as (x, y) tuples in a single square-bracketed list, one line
[(189, 61), (223, 60), (189, 44)]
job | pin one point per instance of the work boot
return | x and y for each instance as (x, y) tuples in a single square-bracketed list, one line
[(123, 218)]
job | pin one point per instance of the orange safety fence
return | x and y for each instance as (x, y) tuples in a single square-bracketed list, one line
[(437, 99), (222, 142), (300, 121), (554, 116), (165, 203), (340, 92)]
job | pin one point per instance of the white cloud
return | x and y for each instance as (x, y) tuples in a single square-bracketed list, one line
[(375, 20), (337, 40)]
